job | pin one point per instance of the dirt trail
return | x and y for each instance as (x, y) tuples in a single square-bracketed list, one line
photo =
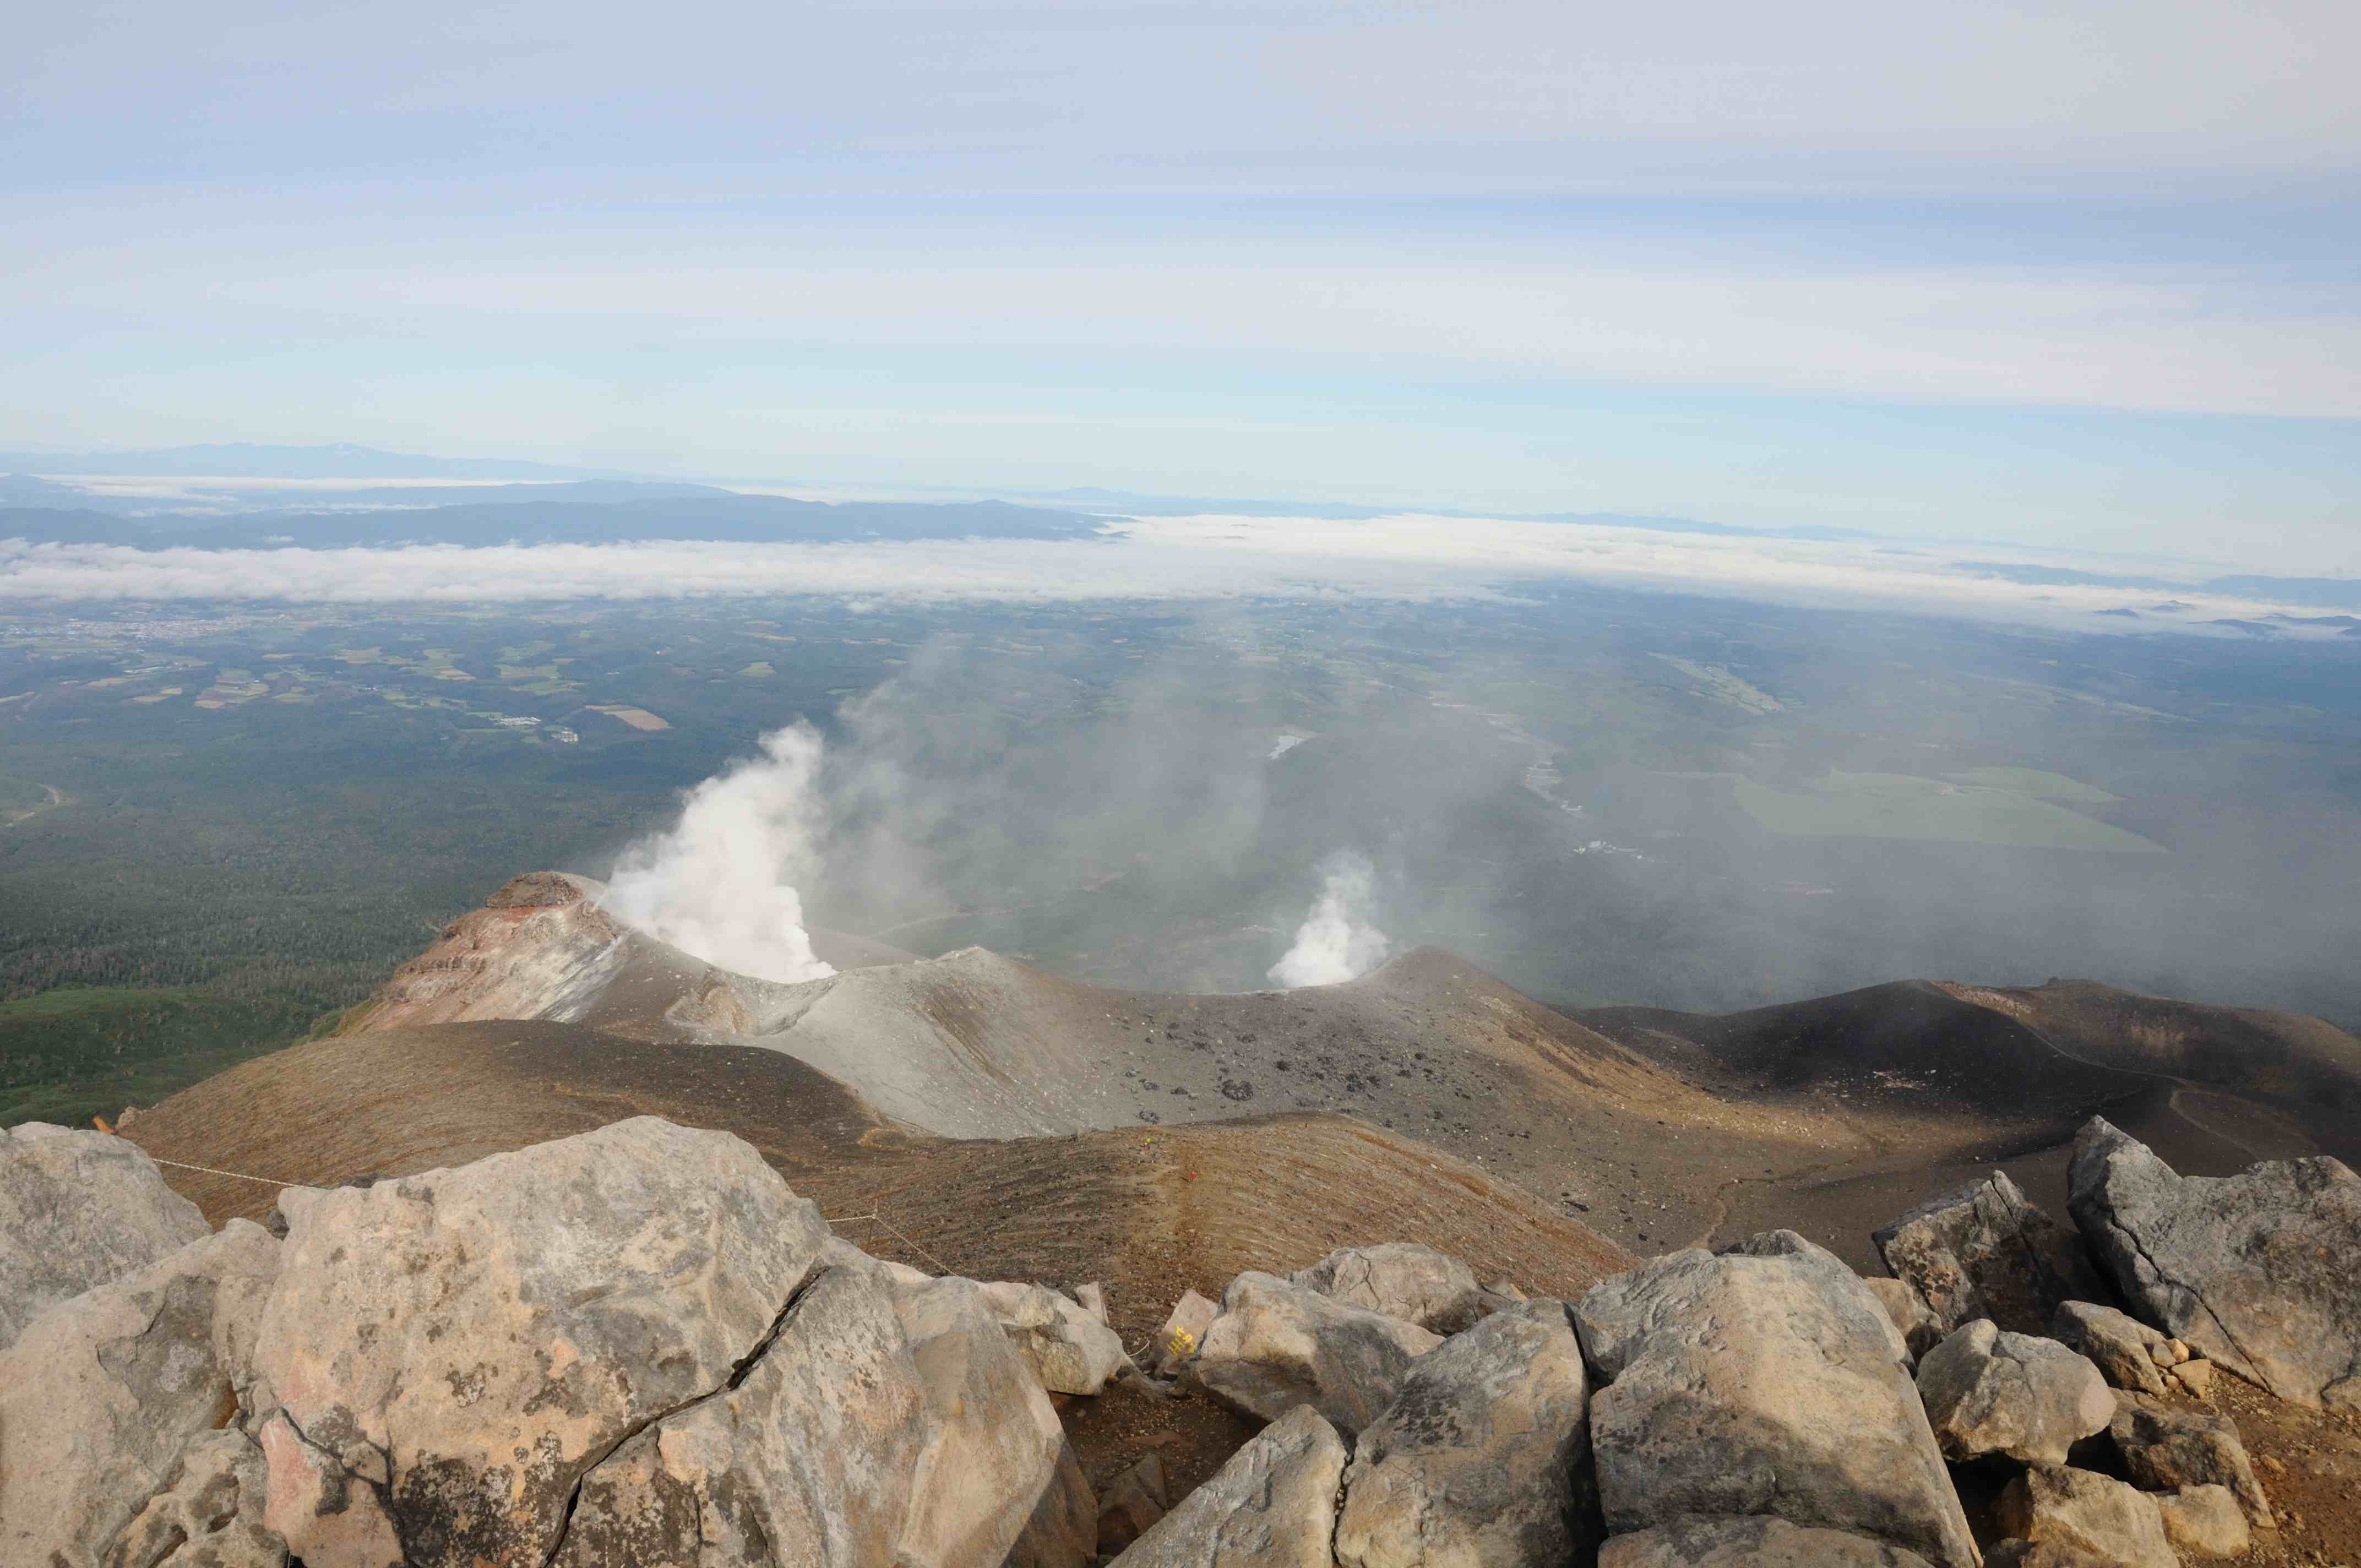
[(26, 814)]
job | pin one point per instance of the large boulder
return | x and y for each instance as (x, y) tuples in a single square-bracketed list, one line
[(1987, 1251), (102, 1398), (1278, 1344), (1990, 1391), (209, 1514), (1751, 1542), (806, 1458), (1071, 1349), (2081, 1511), (1401, 1280), (2259, 1271), (1909, 1311), (1482, 1461), (77, 1209), (2205, 1521), (995, 1480), (1272, 1506), (454, 1351), (2124, 1349), (1184, 1328), (1766, 1380), (2166, 1447)]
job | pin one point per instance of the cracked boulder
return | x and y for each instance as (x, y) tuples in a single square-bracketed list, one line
[(1483, 1459), (452, 1352), (1758, 1542), (2061, 1511), (1278, 1345), (77, 1209), (1272, 1506), (1070, 1348), (806, 1458), (2166, 1447), (1987, 1251), (1764, 1381), (2257, 1271), (1402, 1280), (102, 1398), (1990, 1391)]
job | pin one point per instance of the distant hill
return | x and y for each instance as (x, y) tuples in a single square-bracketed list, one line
[(530, 520), (246, 460)]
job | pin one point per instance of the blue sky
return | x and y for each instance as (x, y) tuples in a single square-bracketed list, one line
[(2078, 273)]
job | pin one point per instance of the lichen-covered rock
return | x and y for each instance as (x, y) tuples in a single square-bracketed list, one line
[(1990, 1391), (1754, 1542), (1482, 1461), (209, 1514), (77, 1209), (1987, 1251), (1766, 1380), (1401, 1280), (452, 1351), (2081, 1510), (2205, 1521), (2169, 1446), (2260, 1271), (807, 1459), (2121, 1346), (102, 1397), (1272, 1506), (1278, 1344), (1072, 1350)]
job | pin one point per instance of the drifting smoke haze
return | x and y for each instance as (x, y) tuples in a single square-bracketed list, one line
[(1335, 943), (719, 883)]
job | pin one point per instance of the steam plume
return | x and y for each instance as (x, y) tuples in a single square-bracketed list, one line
[(1335, 942), (717, 883)]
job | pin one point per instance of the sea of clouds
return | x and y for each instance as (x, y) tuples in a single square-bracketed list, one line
[(1406, 557)]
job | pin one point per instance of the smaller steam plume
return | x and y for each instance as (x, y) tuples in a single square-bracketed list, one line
[(717, 884), (1335, 941)]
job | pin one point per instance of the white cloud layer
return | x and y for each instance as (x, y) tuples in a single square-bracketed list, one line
[(1407, 557)]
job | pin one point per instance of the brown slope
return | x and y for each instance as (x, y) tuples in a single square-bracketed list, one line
[(1154, 1210)]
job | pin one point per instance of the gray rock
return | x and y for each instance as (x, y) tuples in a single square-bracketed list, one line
[(807, 1459), (1754, 1541), (1183, 1331), (77, 1209), (208, 1515), (1132, 1502), (2260, 1272), (2121, 1346), (455, 1350), (1278, 1344), (1766, 1380), (1483, 1459), (1985, 1251), (2205, 1521), (1401, 1280), (102, 1398), (1908, 1310), (996, 1481), (2169, 1446), (2079, 1510), (1272, 1506), (1072, 1350), (1990, 1391)]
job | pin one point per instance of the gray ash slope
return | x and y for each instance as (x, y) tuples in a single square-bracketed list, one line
[(1655, 1129)]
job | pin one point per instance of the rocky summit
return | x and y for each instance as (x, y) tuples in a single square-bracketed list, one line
[(639, 1346)]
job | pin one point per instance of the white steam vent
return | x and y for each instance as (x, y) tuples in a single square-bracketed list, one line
[(717, 884), (1335, 941)]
